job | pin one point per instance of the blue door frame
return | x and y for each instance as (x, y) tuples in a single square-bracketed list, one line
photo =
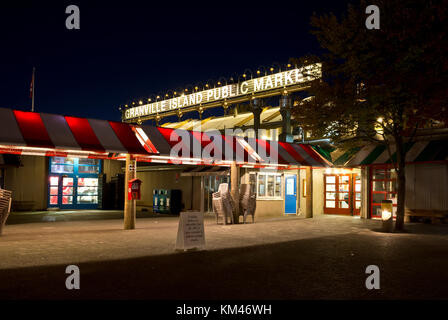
[(75, 175), (290, 194)]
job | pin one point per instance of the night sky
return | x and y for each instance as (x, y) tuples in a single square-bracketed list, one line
[(128, 50)]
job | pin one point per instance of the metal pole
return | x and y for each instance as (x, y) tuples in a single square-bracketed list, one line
[(34, 89)]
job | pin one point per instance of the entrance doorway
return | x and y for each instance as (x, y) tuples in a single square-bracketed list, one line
[(73, 183), (290, 194), (342, 194)]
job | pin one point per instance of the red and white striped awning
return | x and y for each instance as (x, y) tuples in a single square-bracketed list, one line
[(31, 133)]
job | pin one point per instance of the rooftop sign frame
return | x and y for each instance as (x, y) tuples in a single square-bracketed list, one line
[(270, 85)]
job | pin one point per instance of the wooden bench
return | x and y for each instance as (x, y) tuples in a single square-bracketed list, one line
[(434, 215)]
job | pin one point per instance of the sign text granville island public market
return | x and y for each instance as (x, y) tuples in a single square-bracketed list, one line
[(270, 82)]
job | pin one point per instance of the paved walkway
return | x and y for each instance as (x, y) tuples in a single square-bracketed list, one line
[(287, 258), (72, 242)]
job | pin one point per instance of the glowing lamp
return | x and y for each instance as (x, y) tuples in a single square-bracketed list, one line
[(386, 215)]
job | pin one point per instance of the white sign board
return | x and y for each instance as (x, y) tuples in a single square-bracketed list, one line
[(190, 233)]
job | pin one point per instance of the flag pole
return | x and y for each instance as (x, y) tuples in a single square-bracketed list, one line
[(33, 88)]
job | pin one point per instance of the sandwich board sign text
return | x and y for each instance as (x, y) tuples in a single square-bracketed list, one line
[(190, 233)]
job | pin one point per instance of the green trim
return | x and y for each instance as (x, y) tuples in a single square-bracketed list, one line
[(407, 147), (326, 153), (434, 151), (373, 155), (344, 158)]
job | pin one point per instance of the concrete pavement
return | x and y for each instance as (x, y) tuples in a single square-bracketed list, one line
[(289, 258)]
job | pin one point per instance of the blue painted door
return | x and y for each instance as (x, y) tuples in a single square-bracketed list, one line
[(290, 194)]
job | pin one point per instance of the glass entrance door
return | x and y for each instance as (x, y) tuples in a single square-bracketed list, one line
[(337, 194), (73, 183), (357, 194)]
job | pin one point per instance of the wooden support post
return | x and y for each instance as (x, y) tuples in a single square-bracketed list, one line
[(235, 191), (202, 205), (309, 192), (129, 205)]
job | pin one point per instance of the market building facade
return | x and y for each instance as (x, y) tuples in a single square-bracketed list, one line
[(60, 162)]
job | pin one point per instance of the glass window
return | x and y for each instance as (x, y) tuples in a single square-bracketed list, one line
[(88, 191), (330, 179), (67, 200), (62, 160), (343, 205), (331, 196), (88, 169), (87, 199), (377, 197), (61, 168), (270, 179), (88, 182), (269, 185), (261, 185), (93, 162), (53, 199), (278, 186), (330, 204)]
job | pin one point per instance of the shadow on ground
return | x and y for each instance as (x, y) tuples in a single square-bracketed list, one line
[(330, 267)]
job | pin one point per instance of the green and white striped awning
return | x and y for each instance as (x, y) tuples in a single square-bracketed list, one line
[(419, 151)]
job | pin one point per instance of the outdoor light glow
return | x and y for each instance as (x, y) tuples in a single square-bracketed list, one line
[(247, 87), (386, 215)]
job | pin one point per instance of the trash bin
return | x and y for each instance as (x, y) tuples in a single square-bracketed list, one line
[(155, 201), (162, 201)]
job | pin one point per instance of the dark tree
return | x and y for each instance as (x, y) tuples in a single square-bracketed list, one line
[(380, 86)]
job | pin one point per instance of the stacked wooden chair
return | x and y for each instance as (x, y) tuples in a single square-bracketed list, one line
[(248, 202), (223, 205), (5, 207)]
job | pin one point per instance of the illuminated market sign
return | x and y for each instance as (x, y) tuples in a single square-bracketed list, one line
[(274, 81)]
